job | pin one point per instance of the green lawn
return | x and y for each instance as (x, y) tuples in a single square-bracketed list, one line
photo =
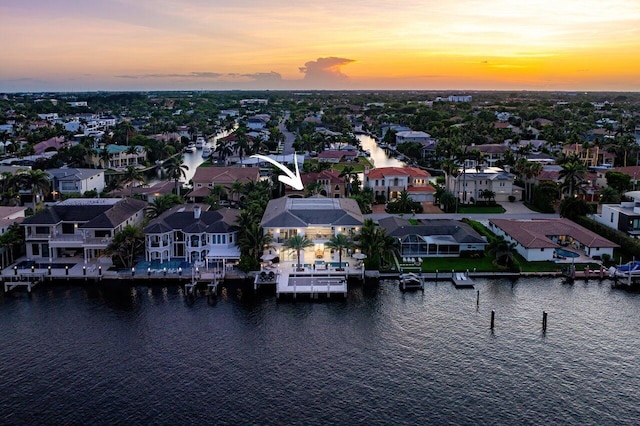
[(443, 264)]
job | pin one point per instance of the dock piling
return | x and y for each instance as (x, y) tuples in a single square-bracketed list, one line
[(493, 316), (478, 298), (544, 321)]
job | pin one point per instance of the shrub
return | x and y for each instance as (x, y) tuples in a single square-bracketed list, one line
[(512, 198)]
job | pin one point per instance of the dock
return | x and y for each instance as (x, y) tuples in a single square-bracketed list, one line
[(303, 282), (462, 280)]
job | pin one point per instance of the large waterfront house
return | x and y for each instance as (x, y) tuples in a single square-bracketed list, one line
[(119, 157), (391, 181), (194, 234), (550, 239), (590, 157), (79, 226), (318, 218), (76, 181), (623, 217), (206, 178), (433, 237), (412, 136), (330, 182), (469, 184)]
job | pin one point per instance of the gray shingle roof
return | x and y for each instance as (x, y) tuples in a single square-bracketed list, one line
[(98, 215), (182, 218), (303, 212), (460, 231)]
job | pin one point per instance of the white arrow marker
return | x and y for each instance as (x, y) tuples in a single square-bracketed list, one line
[(291, 179)]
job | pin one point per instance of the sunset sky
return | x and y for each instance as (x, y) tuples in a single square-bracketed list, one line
[(82, 45)]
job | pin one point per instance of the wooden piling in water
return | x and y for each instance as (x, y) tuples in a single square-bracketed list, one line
[(478, 298), (493, 317), (544, 321)]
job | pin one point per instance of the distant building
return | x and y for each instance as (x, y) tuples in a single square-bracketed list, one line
[(391, 181), (469, 184), (412, 136), (77, 103), (590, 157), (119, 157), (255, 101), (333, 186)]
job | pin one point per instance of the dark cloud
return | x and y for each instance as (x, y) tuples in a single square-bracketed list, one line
[(195, 74), (264, 76), (325, 70)]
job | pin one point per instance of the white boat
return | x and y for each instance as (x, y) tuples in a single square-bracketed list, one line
[(206, 151), (199, 142)]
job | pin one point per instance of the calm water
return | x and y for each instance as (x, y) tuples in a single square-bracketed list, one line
[(73, 355), (379, 156)]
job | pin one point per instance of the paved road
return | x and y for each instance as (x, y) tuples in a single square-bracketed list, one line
[(289, 137), (515, 210)]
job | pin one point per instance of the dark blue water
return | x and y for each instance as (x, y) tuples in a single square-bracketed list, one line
[(71, 355)]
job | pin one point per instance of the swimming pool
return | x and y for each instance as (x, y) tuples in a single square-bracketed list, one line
[(156, 265), (566, 253), (26, 264)]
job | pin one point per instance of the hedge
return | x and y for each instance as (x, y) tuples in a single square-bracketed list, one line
[(627, 244)]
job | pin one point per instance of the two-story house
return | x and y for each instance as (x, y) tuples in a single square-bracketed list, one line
[(195, 234), (120, 157), (332, 185), (389, 182), (80, 226), (624, 217), (317, 217), (206, 178), (469, 184), (76, 181)]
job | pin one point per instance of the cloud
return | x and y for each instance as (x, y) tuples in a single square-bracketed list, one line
[(264, 76), (325, 70), (195, 74)]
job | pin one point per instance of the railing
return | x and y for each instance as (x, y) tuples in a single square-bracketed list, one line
[(98, 240), (156, 244), (67, 237)]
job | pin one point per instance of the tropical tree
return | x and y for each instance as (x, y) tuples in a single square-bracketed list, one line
[(217, 193), (126, 245), (314, 188), (374, 242), (176, 170), (572, 207), (237, 187), (348, 173), (573, 175), (488, 194), (223, 149), (609, 195), (131, 176), (37, 181), (339, 243), (252, 242), (298, 243), (161, 204), (502, 250), (12, 237)]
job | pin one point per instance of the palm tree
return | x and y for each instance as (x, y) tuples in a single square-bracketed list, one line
[(487, 194), (223, 149), (314, 188), (339, 242), (104, 157), (35, 180), (242, 142), (298, 243), (573, 175), (348, 173), (161, 204), (216, 194), (176, 170), (126, 245), (237, 188), (609, 195), (131, 176), (502, 249), (254, 241), (374, 242)]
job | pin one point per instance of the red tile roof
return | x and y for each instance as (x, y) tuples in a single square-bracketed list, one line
[(535, 233), (383, 172), (427, 188), (223, 175), (332, 175)]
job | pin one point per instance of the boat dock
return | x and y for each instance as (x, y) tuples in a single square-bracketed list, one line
[(303, 282), (462, 280)]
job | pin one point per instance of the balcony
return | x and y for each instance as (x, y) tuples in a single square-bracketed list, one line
[(98, 243)]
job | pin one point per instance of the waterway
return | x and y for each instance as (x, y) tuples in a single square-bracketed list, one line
[(378, 155), (115, 355)]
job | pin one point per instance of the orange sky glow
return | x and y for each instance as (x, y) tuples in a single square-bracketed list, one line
[(277, 44)]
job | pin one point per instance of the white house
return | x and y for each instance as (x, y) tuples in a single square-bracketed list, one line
[(76, 181), (549, 239), (391, 181), (624, 217), (412, 136), (469, 183)]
